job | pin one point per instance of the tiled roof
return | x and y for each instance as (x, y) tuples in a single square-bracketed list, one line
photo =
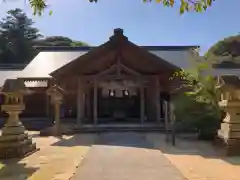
[(48, 61), (41, 66)]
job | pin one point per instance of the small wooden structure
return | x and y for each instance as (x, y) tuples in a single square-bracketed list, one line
[(14, 141), (229, 133), (56, 94)]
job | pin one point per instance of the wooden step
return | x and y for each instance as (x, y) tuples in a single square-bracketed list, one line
[(117, 129)]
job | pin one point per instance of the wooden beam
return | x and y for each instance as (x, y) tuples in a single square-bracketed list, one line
[(131, 71), (118, 67), (108, 70), (113, 77)]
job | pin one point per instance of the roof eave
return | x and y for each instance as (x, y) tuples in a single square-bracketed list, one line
[(88, 48)]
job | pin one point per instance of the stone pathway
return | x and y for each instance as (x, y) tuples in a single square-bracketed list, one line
[(56, 160), (125, 156), (121, 156)]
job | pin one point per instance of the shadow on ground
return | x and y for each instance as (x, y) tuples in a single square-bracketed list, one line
[(154, 141), (13, 169), (75, 140), (126, 139)]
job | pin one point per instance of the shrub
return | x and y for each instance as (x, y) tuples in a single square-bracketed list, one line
[(194, 116)]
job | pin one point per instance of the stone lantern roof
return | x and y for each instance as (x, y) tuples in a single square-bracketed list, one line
[(56, 93), (13, 86), (55, 89)]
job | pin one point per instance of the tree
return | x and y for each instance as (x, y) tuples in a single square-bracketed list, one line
[(59, 41), (17, 37), (227, 49), (78, 43), (200, 97), (38, 6)]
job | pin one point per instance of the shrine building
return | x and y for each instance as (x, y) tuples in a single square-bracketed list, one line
[(117, 81)]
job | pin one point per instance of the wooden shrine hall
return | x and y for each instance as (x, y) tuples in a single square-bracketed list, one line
[(116, 82)]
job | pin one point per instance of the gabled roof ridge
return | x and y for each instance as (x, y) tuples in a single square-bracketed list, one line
[(116, 41)]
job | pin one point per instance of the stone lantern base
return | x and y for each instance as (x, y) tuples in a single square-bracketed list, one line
[(14, 141), (229, 134), (229, 138)]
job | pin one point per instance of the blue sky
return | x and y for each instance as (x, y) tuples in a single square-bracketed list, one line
[(143, 23)]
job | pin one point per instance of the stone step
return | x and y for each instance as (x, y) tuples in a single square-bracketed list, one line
[(18, 152), (118, 129), (15, 144), (13, 138)]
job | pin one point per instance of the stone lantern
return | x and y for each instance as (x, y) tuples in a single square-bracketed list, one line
[(14, 141), (229, 133), (56, 94)]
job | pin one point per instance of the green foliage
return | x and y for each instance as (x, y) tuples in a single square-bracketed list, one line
[(57, 41), (226, 49), (1, 165), (200, 109), (200, 84), (78, 43), (60, 41), (195, 116), (18, 37), (39, 6)]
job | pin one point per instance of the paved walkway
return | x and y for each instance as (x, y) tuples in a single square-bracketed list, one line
[(198, 160), (121, 156), (56, 160), (125, 156)]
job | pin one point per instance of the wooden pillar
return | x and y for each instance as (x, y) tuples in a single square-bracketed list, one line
[(95, 102), (142, 105), (47, 105), (79, 101), (48, 100), (88, 105), (83, 104), (57, 118), (166, 115), (150, 99), (157, 93), (165, 103), (172, 121)]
